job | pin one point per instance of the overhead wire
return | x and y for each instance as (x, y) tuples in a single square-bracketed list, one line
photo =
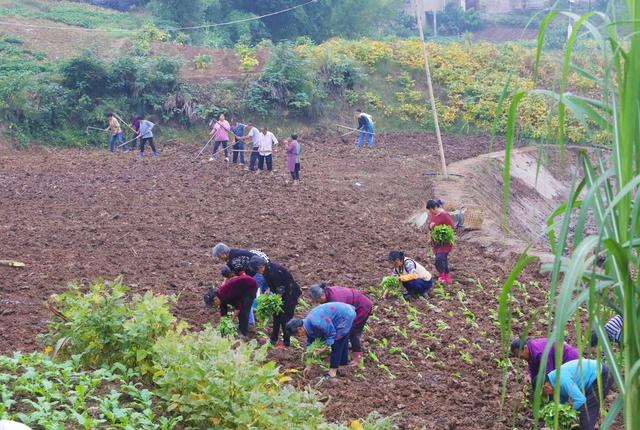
[(196, 27)]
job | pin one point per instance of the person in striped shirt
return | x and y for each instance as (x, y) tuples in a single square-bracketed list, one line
[(414, 277), (613, 328), (322, 293)]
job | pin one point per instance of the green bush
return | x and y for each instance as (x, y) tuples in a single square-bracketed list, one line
[(104, 327), (217, 382), (58, 395), (567, 416), (454, 20)]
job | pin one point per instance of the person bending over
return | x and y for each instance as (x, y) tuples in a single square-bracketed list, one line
[(238, 292), (322, 293)]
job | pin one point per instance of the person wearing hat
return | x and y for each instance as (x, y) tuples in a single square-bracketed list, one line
[(322, 293), (279, 281), (414, 277), (532, 350), (238, 291), (578, 385), (330, 322)]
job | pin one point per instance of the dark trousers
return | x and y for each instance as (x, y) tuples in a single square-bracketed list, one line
[(217, 144), (339, 353), (261, 160), (356, 333), (134, 142), (590, 411), (245, 311), (418, 286), (238, 151), (295, 175), (442, 262), (281, 320), (148, 140), (254, 158)]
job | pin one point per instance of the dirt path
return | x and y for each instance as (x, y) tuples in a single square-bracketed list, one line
[(78, 215)]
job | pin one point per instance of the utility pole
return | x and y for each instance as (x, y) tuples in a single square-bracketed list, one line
[(430, 85)]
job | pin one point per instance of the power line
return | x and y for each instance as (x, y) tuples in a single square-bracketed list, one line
[(197, 27)]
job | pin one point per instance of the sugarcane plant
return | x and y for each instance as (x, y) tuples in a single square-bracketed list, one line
[(593, 274)]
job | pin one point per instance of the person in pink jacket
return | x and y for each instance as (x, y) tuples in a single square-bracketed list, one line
[(220, 133)]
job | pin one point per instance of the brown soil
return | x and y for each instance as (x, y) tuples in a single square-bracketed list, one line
[(78, 215)]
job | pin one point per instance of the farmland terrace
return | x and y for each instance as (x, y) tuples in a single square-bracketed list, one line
[(81, 214)]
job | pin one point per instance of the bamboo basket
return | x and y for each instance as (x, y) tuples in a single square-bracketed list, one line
[(473, 217)]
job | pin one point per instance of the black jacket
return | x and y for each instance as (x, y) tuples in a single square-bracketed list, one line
[(281, 282)]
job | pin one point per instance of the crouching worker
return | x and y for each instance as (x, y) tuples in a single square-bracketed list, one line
[(414, 277), (321, 293), (330, 322), (579, 386), (613, 329), (532, 350), (239, 292), (281, 282)]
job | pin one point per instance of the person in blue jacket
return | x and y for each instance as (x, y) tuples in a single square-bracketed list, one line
[(365, 128), (579, 387), (330, 322)]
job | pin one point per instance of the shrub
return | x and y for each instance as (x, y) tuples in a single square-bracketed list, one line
[(567, 416), (202, 61), (223, 383), (56, 395), (104, 327), (454, 20)]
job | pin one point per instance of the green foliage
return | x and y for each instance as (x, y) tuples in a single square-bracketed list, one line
[(443, 235), (390, 286), (227, 327), (220, 382), (567, 416), (454, 20), (43, 393), (202, 61), (268, 306), (287, 82), (604, 194), (185, 13), (316, 354), (103, 327)]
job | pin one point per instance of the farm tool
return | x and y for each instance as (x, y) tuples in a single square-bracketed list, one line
[(89, 128)]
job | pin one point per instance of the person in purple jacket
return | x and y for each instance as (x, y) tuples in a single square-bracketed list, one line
[(322, 293), (332, 323), (532, 351)]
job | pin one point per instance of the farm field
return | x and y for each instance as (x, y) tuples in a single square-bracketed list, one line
[(82, 214)]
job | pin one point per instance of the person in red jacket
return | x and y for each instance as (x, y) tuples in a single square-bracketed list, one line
[(239, 292), (438, 216)]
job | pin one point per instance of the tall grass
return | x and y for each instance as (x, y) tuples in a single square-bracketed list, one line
[(583, 294)]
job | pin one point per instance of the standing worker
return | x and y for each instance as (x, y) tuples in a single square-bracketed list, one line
[(294, 150), (265, 150), (237, 129), (579, 387), (281, 282), (220, 133), (413, 276), (135, 126), (321, 293), (438, 216), (365, 128), (146, 136), (239, 292), (330, 322), (253, 133), (532, 351), (116, 133)]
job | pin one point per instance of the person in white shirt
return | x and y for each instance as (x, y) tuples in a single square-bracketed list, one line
[(265, 150)]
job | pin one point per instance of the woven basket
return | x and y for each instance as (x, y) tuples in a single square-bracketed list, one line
[(473, 217)]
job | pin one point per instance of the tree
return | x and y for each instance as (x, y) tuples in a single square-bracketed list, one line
[(185, 13)]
